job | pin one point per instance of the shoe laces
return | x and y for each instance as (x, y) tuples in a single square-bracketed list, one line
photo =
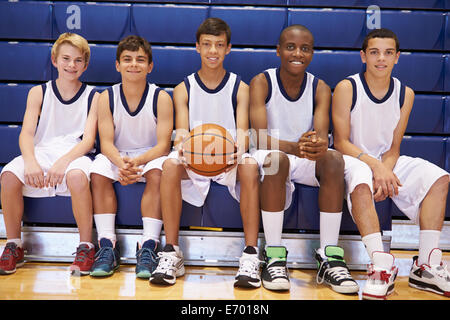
[(249, 265), (10, 250), (146, 256), (166, 261), (378, 275), (81, 253), (337, 273), (105, 255), (277, 270)]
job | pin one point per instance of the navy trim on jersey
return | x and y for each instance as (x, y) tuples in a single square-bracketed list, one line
[(354, 95), (155, 103), (90, 98), (284, 93), (369, 93), (402, 95), (73, 99), (269, 86), (234, 95), (111, 99), (315, 84), (218, 88), (44, 87), (141, 103), (188, 88)]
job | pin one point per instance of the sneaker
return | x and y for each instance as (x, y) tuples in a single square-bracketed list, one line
[(433, 276), (12, 258), (382, 274), (275, 274), (107, 259), (170, 266), (333, 271), (147, 258), (83, 260), (248, 273)]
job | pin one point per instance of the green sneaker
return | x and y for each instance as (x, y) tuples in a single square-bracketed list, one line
[(275, 274), (333, 271), (107, 259)]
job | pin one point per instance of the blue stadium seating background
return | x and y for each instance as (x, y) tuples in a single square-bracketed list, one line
[(27, 29)]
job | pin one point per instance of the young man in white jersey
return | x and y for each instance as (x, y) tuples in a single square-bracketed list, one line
[(211, 95), (289, 109), (135, 127), (58, 130), (370, 113)]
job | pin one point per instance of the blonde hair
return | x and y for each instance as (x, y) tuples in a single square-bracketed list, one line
[(75, 40)]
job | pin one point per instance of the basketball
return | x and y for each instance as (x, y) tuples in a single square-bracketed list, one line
[(208, 148)]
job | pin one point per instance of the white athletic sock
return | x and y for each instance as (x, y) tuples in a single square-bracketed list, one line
[(330, 224), (428, 240), (152, 229), (105, 225), (273, 227), (18, 242), (373, 243), (89, 244)]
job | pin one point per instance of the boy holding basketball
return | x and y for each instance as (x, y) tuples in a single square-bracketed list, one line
[(135, 125), (211, 95), (289, 109), (58, 130), (370, 113)]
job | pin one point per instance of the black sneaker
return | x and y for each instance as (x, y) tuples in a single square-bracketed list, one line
[(248, 273), (334, 272), (275, 274), (147, 258)]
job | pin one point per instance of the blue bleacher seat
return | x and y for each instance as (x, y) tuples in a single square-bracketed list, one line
[(9, 143), (13, 99), (167, 23), (94, 21), (447, 30), (427, 115), (251, 2), (418, 30), (411, 4), (102, 67), (252, 25), (25, 20), (329, 26), (447, 158), (426, 147), (447, 73), (25, 61)]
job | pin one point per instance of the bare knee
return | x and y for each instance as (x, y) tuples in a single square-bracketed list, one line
[(361, 191), (248, 171), (77, 181), (331, 165), (98, 182), (9, 181), (276, 164), (153, 179)]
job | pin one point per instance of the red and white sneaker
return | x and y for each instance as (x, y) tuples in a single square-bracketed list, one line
[(433, 276), (83, 260), (382, 274), (12, 258)]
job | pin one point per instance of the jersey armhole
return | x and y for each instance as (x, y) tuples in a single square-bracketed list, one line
[(111, 99), (234, 95), (269, 86), (90, 98), (188, 88), (155, 103), (402, 95), (352, 81), (315, 84)]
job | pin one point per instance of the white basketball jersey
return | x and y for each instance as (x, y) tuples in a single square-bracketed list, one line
[(61, 123), (134, 131), (213, 106), (287, 118), (372, 120)]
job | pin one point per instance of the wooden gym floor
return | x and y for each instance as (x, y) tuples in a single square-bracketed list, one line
[(52, 281)]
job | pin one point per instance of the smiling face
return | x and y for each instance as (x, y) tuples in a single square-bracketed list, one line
[(380, 56), (295, 49), (213, 49), (69, 61), (134, 65)]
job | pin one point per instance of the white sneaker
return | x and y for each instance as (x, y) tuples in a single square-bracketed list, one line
[(170, 266), (248, 273), (382, 274), (433, 276)]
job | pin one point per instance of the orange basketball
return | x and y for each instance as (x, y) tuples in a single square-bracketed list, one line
[(208, 149)]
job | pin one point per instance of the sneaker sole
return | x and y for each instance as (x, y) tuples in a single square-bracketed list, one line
[(247, 284), (345, 289), (368, 296), (159, 277), (101, 273), (7, 272), (143, 275), (277, 286), (427, 287)]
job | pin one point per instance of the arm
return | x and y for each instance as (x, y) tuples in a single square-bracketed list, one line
[(56, 173), (180, 100), (34, 176), (314, 144), (258, 118)]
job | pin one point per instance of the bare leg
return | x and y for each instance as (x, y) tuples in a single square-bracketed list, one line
[(432, 211), (363, 210), (330, 173), (274, 201), (103, 194), (12, 204), (151, 201)]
